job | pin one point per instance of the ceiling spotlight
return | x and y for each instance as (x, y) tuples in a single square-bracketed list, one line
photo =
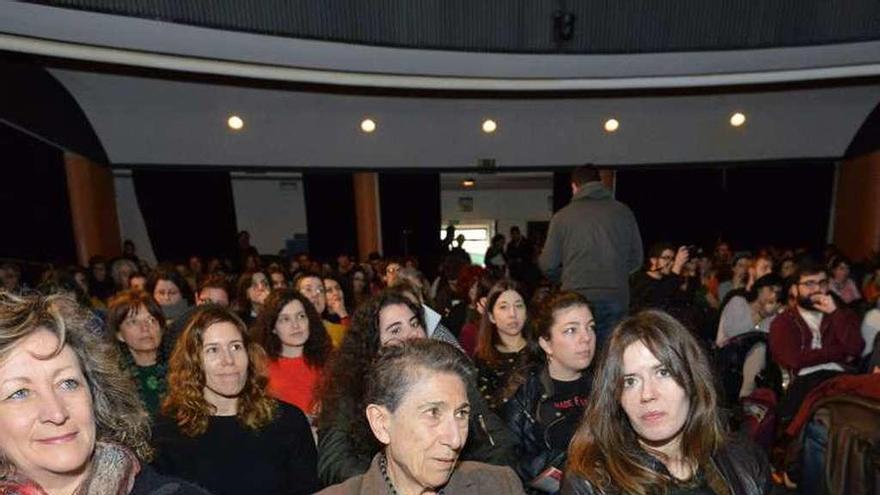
[(737, 119), (235, 123), (611, 125), (368, 125), (489, 126), (468, 183)]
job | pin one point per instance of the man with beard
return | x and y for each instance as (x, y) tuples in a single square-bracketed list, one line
[(813, 339)]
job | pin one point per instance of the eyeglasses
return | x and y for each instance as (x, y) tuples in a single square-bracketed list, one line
[(149, 321), (812, 284)]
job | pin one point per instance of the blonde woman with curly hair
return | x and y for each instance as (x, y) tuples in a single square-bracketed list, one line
[(70, 419), (219, 427)]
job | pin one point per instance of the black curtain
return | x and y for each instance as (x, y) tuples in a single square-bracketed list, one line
[(33, 194), (410, 209), (561, 188), (187, 212), (330, 217), (751, 207)]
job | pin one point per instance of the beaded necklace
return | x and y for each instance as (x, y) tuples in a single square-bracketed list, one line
[(383, 467)]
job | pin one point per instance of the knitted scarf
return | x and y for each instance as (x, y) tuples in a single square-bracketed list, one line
[(112, 472)]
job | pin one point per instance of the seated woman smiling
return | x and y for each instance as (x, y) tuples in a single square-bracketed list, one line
[(219, 427), (70, 419), (417, 408)]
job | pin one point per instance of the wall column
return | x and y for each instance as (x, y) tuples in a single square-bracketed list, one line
[(857, 206), (92, 208), (366, 209)]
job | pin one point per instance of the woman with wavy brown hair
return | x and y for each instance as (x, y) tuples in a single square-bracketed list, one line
[(290, 330), (652, 424), (219, 427)]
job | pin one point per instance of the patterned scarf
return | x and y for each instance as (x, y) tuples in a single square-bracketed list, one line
[(112, 472)]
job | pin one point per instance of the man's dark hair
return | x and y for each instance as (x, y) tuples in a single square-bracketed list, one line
[(585, 173), (656, 249), (807, 268)]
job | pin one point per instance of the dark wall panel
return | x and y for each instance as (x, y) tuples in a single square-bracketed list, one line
[(785, 205), (330, 215), (33, 198), (410, 210), (187, 212)]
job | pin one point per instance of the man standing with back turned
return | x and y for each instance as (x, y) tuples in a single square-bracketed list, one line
[(596, 241)]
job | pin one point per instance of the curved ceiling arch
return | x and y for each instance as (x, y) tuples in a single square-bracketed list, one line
[(154, 44)]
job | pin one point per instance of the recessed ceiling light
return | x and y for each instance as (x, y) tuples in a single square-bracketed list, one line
[(489, 126), (235, 122), (368, 125), (468, 183), (611, 125), (737, 119)]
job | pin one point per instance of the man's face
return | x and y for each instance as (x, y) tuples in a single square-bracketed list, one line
[(809, 287), (663, 264), (514, 234), (722, 252)]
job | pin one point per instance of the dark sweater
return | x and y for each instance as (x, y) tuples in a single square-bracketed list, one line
[(230, 458)]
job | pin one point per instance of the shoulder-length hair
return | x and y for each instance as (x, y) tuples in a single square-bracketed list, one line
[(185, 401), (129, 303), (119, 415), (242, 303), (488, 339), (343, 385), (318, 346), (170, 275), (605, 449)]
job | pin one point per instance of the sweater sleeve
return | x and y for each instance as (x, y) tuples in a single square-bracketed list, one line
[(551, 255), (302, 463), (785, 346), (845, 342)]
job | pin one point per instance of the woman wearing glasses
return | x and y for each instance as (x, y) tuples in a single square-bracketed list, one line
[(137, 324)]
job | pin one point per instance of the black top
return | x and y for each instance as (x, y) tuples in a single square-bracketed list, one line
[(149, 482), (230, 458), (568, 403)]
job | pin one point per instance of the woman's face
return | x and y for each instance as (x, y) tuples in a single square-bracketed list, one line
[(292, 325), (167, 293), (572, 342), (656, 405), (333, 291), (224, 361), (47, 426), (426, 433), (140, 331), (509, 313), (840, 272), (313, 289), (397, 324), (359, 282), (278, 281), (258, 291)]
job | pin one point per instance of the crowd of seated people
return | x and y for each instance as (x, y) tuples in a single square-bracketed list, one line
[(277, 374)]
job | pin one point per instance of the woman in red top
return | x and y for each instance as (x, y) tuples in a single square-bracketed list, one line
[(290, 330)]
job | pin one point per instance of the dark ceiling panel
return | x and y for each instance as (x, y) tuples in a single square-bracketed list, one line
[(526, 26)]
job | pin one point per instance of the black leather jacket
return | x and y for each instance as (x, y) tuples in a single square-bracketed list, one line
[(531, 417), (740, 462)]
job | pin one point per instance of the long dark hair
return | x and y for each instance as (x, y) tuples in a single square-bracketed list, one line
[(605, 449), (317, 347), (343, 385), (488, 336)]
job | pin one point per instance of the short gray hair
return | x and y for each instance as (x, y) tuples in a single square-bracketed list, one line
[(398, 367)]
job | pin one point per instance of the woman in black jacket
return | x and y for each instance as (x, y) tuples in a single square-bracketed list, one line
[(652, 424), (545, 410)]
